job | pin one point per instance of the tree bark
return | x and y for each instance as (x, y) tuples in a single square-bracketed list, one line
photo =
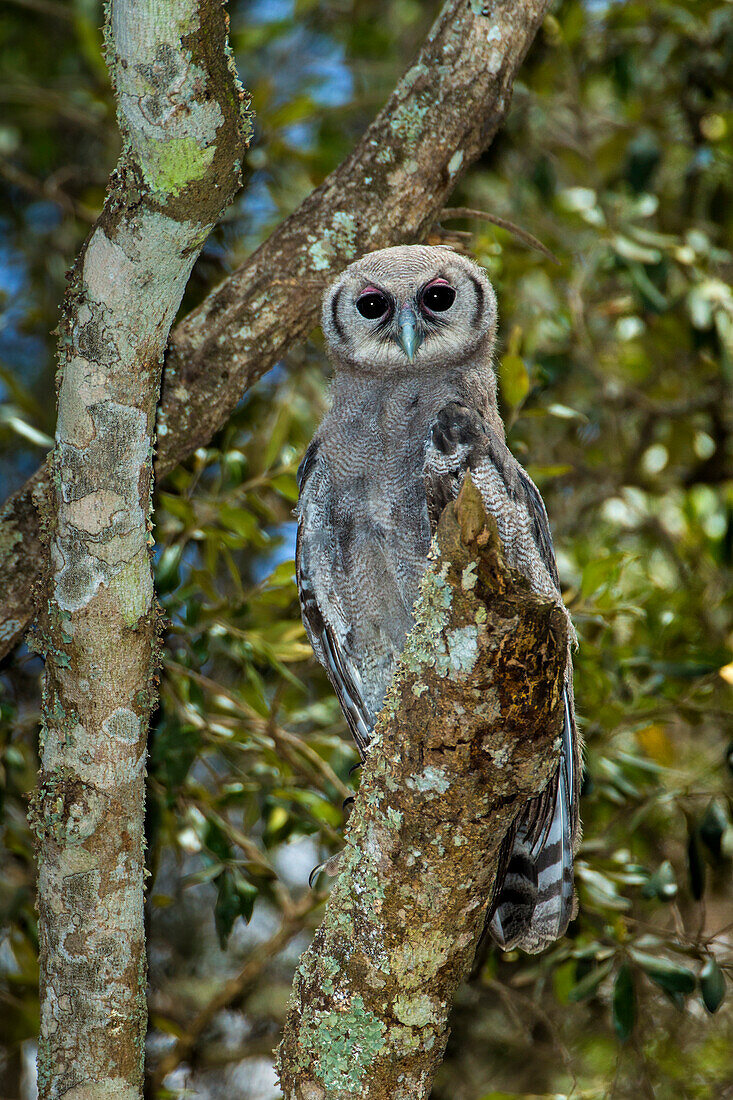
[(185, 124), (390, 190), (468, 733)]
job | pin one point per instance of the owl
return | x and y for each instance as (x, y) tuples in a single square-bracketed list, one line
[(411, 332)]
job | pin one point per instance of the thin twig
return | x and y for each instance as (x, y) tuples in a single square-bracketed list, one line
[(272, 731), (522, 235), (46, 189), (46, 7), (507, 993), (233, 990)]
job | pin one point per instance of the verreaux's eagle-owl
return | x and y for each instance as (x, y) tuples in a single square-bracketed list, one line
[(411, 333)]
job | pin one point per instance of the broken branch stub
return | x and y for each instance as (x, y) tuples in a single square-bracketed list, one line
[(468, 733)]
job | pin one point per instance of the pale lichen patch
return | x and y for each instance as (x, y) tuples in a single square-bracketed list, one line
[(345, 232), (77, 580), (469, 578), (9, 628), (431, 779), (78, 860), (415, 1009), (416, 962), (500, 757), (134, 588), (123, 724), (455, 162), (172, 165), (403, 1040), (463, 649), (345, 1043), (96, 511), (112, 1088), (407, 121), (321, 255)]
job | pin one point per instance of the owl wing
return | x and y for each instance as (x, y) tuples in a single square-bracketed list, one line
[(533, 898), (322, 608)]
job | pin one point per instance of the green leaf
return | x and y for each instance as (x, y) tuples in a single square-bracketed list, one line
[(238, 520), (286, 485), (712, 985), (283, 574), (670, 976), (514, 380), (712, 827), (695, 864), (167, 575), (588, 985), (652, 296), (235, 898), (173, 748), (564, 412), (217, 842), (630, 250), (624, 1003), (602, 889), (320, 807), (247, 893), (226, 909), (662, 884), (234, 464)]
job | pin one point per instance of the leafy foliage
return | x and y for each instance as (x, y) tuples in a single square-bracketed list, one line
[(615, 371)]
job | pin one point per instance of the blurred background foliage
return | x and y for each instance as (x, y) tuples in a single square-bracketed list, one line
[(615, 373)]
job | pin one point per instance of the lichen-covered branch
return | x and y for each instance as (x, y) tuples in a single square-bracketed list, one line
[(469, 732), (390, 190), (184, 125)]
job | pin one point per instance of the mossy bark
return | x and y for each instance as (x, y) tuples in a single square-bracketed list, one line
[(184, 124), (390, 190), (469, 732)]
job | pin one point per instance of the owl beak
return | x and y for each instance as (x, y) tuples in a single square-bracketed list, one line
[(409, 337)]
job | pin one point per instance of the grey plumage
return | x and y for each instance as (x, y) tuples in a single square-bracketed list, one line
[(410, 331)]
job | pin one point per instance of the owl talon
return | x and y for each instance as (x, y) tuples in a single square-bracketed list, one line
[(456, 426), (330, 867)]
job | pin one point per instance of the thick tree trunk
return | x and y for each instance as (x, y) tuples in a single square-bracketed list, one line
[(467, 735), (184, 124), (440, 118)]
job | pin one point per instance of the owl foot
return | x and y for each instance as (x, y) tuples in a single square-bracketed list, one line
[(330, 867), (457, 430)]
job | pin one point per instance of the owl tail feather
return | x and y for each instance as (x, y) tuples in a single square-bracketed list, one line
[(535, 901)]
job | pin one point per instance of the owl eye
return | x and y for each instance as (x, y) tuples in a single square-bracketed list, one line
[(438, 297), (372, 304)]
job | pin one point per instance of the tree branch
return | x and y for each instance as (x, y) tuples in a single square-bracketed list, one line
[(467, 735), (441, 116), (184, 126)]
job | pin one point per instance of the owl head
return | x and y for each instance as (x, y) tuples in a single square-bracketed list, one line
[(410, 309)]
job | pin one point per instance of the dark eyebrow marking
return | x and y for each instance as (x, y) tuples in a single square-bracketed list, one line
[(334, 314), (479, 300)]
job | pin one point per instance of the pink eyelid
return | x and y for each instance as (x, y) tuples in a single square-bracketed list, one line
[(438, 282), (371, 290)]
